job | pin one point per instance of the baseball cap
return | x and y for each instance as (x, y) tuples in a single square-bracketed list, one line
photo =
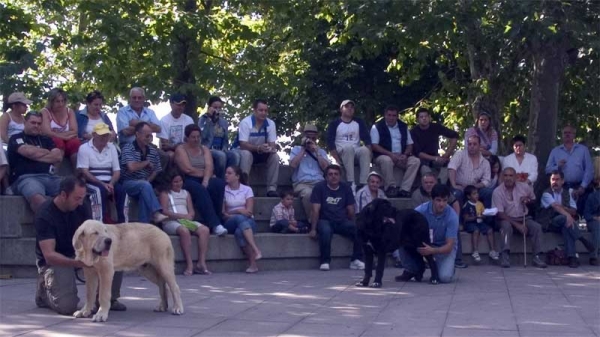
[(101, 129), (374, 173), (346, 101), (18, 97), (178, 98), (310, 128)]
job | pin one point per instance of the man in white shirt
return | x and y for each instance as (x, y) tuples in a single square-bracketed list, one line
[(392, 149), (173, 124), (98, 161), (344, 135), (256, 141)]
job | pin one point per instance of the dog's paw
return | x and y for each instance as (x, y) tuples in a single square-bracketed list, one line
[(82, 313), (177, 311), (376, 285), (161, 307), (100, 316), (362, 284), (434, 281)]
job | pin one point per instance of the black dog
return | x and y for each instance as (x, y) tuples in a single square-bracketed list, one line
[(382, 229)]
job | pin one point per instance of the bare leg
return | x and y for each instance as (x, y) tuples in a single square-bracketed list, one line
[(249, 236), (253, 268), (475, 241), (185, 241), (203, 236), (490, 238)]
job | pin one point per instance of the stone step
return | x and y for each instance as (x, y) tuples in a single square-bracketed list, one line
[(280, 251)]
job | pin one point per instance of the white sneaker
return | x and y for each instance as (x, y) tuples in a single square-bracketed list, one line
[(324, 266), (220, 230), (476, 256), (357, 265), (494, 255)]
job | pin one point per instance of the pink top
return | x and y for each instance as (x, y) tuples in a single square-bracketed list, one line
[(510, 202)]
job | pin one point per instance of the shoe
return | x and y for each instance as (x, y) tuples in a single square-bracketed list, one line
[(117, 306), (272, 194), (505, 263), (357, 265), (159, 217), (220, 230), (593, 261), (460, 265), (588, 245), (573, 262), (493, 255), (476, 256), (404, 194), (391, 192), (40, 294), (405, 277), (537, 262), (324, 266)]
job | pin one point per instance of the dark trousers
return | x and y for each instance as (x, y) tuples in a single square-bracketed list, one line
[(208, 201), (282, 226), (345, 228)]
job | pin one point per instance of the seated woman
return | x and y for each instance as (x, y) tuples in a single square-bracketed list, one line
[(59, 122), (195, 162), (237, 212), (525, 164), (496, 169), (91, 115), (177, 205), (487, 135)]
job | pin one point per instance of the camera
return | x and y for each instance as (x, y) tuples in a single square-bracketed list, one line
[(306, 141)]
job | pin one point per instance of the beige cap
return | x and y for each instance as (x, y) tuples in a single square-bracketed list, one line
[(310, 128), (347, 101), (18, 97)]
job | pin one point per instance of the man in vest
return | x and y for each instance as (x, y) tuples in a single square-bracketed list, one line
[(392, 149), (561, 211)]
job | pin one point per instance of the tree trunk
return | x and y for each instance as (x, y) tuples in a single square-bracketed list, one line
[(548, 69)]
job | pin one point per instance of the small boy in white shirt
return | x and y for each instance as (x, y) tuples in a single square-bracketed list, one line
[(282, 218)]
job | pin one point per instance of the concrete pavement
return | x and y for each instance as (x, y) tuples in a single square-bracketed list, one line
[(484, 301)]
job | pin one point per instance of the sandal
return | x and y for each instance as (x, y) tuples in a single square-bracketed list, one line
[(201, 271), (187, 273), (251, 270)]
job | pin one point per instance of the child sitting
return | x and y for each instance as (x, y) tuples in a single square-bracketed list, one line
[(475, 223), (282, 218), (177, 205)]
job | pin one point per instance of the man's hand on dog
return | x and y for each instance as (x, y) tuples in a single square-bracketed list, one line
[(427, 250)]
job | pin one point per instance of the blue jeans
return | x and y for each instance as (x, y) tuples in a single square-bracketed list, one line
[(224, 159), (345, 228), (208, 201), (445, 264), (237, 224), (594, 228), (570, 235), (143, 192)]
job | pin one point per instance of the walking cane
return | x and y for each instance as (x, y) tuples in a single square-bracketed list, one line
[(524, 243)]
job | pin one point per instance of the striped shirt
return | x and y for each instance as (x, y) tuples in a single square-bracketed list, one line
[(281, 212), (101, 164), (131, 152)]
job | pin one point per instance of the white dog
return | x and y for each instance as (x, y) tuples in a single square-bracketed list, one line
[(106, 249)]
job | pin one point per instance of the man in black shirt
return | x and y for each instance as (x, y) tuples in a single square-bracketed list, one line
[(32, 159), (333, 213), (55, 223)]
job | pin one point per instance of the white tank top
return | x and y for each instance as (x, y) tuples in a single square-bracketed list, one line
[(14, 127), (180, 201), (55, 126)]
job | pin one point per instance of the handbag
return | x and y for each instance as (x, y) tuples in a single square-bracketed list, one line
[(557, 257)]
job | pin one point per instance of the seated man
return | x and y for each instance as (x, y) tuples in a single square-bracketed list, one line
[(592, 213), (333, 213), (511, 198), (308, 161), (215, 135), (140, 164), (256, 141), (55, 223), (98, 161), (343, 142), (443, 226), (173, 124), (561, 212), (469, 167), (130, 115), (426, 138), (392, 149), (33, 157)]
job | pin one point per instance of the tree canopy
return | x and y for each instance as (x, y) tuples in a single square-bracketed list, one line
[(532, 64)]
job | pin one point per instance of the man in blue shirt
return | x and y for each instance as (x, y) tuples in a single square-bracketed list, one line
[(575, 162), (443, 230), (308, 161), (128, 116), (333, 213)]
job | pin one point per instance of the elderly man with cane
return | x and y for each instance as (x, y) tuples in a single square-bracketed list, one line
[(511, 198)]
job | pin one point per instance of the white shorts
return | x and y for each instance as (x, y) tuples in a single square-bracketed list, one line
[(170, 226)]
